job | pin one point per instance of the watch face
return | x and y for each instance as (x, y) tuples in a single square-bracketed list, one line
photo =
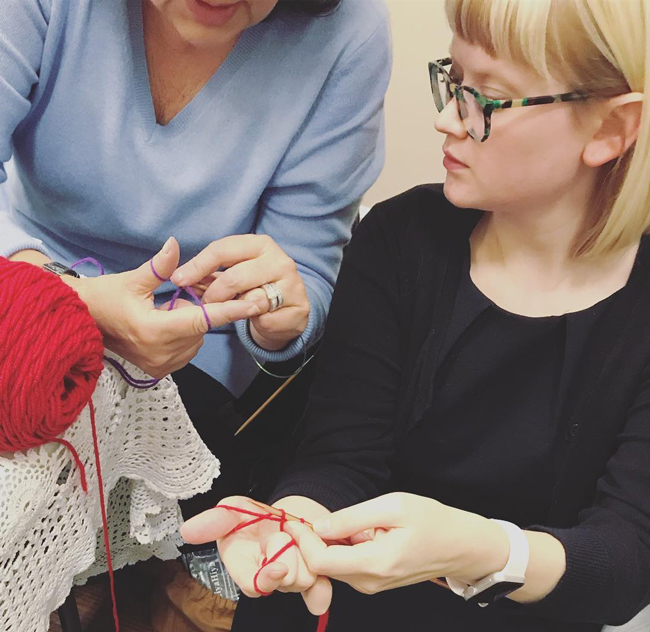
[(496, 591), (59, 268)]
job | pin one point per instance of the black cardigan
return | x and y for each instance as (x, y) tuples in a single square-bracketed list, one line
[(391, 307)]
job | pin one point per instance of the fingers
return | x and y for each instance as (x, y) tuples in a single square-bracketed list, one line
[(218, 522), (289, 557), (180, 302), (298, 578), (364, 536), (209, 526), (294, 296), (230, 311), (382, 512), (288, 320), (153, 273), (200, 287), (222, 253), (318, 598), (260, 298), (248, 275), (192, 318), (331, 561), (243, 277), (269, 579)]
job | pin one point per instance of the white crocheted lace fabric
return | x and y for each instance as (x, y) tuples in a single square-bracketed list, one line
[(51, 531)]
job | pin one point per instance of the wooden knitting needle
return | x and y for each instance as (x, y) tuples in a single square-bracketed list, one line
[(279, 513), (274, 511), (267, 402), (200, 288)]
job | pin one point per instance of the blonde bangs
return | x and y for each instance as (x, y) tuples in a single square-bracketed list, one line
[(548, 36), (504, 28)]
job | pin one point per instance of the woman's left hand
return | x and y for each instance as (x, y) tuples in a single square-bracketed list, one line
[(411, 539), (236, 267)]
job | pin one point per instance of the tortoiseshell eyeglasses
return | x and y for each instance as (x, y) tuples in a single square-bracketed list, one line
[(474, 109)]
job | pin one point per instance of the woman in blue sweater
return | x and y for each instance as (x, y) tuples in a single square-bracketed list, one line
[(481, 412), (234, 136)]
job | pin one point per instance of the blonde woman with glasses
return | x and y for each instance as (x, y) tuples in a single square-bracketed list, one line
[(481, 416)]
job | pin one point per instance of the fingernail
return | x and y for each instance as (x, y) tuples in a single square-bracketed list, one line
[(322, 526), (262, 303), (167, 247), (178, 278), (276, 574), (254, 310)]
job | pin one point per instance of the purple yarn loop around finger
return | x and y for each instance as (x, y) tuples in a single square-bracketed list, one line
[(155, 273)]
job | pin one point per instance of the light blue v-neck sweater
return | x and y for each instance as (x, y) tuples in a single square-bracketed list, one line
[(282, 140)]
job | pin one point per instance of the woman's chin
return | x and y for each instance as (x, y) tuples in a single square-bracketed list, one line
[(204, 37), (458, 194)]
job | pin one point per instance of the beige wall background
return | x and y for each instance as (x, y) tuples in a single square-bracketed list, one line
[(413, 147)]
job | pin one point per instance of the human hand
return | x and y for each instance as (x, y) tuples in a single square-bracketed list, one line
[(157, 341), (415, 539), (244, 553), (250, 261)]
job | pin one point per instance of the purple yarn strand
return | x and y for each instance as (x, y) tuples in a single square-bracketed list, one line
[(195, 299), (129, 379), (155, 273), (198, 301), (172, 303), (96, 263)]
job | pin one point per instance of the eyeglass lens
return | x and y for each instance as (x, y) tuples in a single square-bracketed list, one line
[(469, 109), (441, 90), (472, 115)]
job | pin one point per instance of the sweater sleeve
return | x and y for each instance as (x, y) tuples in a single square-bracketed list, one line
[(607, 578), (23, 27), (313, 198), (344, 457)]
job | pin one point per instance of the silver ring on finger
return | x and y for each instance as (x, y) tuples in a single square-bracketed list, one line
[(275, 296)]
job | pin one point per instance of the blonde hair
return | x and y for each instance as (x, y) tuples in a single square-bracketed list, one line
[(599, 46)]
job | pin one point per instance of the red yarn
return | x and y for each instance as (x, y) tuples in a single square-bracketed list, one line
[(323, 620), (102, 505), (51, 356), (266, 562), (282, 519)]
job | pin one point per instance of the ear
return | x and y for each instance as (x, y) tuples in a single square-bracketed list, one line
[(617, 131)]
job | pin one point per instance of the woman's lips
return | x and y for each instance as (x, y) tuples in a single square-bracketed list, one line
[(453, 164), (212, 14)]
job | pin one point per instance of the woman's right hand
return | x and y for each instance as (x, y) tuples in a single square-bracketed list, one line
[(155, 340), (243, 552)]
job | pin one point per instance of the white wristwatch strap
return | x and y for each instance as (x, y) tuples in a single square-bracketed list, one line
[(515, 567)]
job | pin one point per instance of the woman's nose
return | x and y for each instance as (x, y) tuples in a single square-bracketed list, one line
[(449, 121)]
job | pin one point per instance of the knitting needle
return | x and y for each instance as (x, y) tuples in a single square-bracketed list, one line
[(274, 511), (279, 513), (266, 403)]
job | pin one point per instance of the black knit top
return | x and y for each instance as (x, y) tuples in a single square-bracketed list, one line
[(424, 385)]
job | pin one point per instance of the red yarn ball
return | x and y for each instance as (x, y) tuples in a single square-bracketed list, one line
[(51, 356)]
